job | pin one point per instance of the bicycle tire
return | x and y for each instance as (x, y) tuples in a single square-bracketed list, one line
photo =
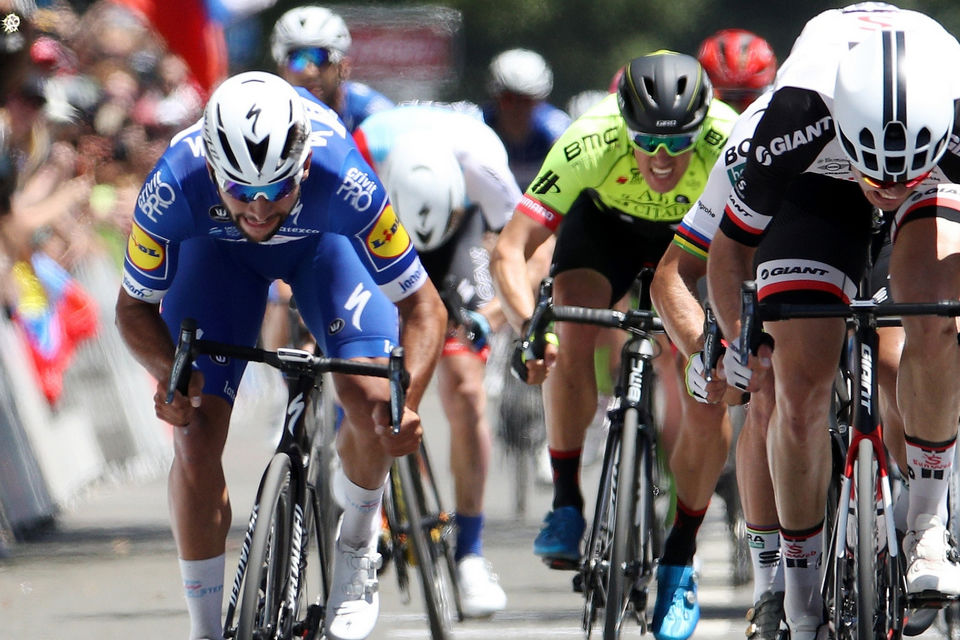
[(866, 541), (309, 611), (268, 569), (432, 579), (596, 558), (623, 551), (397, 538)]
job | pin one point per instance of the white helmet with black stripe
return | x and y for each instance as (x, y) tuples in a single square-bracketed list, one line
[(309, 26), (893, 107), (255, 130)]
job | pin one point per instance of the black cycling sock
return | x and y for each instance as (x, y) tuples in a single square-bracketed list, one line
[(681, 544), (566, 479)]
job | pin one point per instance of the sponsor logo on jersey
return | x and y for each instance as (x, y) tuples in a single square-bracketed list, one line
[(590, 142), (793, 140), (336, 326), (408, 283), (388, 238), (155, 197), (737, 154), (219, 213), (546, 183), (357, 189), (137, 290), (714, 138), (145, 253)]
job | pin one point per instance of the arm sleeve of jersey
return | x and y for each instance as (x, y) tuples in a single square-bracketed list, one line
[(161, 219), (790, 135), (700, 224), (489, 181), (359, 209)]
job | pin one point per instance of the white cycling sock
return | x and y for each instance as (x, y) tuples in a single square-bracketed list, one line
[(361, 515), (765, 557), (203, 589), (930, 465), (802, 559)]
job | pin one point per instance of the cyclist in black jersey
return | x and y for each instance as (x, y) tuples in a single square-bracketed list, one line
[(874, 120)]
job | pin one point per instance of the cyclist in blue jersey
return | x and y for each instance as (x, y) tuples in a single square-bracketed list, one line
[(520, 81), (269, 185), (310, 45)]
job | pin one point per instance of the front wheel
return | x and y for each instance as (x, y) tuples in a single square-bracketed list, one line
[(268, 566)]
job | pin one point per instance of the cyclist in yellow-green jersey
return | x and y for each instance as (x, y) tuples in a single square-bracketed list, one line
[(613, 188)]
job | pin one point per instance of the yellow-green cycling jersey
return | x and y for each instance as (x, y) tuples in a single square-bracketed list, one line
[(596, 153)]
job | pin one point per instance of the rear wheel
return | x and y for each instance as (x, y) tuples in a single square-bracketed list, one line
[(268, 566)]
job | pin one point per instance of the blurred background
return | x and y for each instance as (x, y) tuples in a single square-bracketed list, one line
[(92, 92)]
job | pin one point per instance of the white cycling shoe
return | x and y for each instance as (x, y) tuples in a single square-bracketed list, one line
[(354, 603), (809, 628), (480, 593), (929, 567)]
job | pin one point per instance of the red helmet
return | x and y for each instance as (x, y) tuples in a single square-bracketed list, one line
[(740, 64)]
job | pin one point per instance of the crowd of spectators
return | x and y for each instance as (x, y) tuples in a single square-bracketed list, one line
[(88, 103)]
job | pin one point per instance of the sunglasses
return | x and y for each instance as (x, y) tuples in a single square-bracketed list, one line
[(890, 184), (298, 59), (674, 145), (270, 192)]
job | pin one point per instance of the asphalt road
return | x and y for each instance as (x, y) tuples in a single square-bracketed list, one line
[(108, 569)]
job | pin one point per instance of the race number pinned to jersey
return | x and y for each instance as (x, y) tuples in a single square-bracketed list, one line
[(146, 253), (388, 239)]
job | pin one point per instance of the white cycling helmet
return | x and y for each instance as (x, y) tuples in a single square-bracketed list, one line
[(521, 71), (309, 26), (892, 108), (425, 184), (255, 130)]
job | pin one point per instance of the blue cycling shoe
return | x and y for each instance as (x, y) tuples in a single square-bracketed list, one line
[(676, 613), (558, 542)]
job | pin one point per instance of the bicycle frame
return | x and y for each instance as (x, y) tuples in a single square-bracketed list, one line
[(620, 557), (295, 452), (865, 448)]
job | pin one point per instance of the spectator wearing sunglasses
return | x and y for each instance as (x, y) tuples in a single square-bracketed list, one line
[(612, 189), (210, 232), (309, 45)]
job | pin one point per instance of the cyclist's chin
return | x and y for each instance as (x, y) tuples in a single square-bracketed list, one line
[(885, 203), (259, 232)]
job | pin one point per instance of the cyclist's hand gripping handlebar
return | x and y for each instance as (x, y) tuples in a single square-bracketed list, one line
[(182, 360), (399, 381), (533, 342), (737, 359)]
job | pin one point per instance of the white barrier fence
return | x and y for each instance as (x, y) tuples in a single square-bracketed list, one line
[(103, 427)]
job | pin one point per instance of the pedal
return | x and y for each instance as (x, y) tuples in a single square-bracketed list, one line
[(562, 564), (930, 599), (578, 583)]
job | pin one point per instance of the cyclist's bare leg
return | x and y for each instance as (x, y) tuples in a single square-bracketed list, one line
[(925, 266), (197, 491), (670, 391), (570, 392), (365, 461), (757, 496), (460, 385), (888, 362), (798, 449)]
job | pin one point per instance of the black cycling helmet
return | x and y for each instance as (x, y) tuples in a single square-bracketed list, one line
[(664, 93)]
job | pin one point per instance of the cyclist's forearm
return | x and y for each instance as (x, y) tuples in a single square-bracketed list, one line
[(423, 327), (729, 265), (674, 296), (145, 335)]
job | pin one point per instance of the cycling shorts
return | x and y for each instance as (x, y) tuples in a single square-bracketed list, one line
[(464, 261), (594, 236), (816, 247), (223, 285)]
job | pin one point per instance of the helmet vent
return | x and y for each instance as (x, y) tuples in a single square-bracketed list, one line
[(923, 137), (681, 87), (894, 137), (866, 139), (258, 152)]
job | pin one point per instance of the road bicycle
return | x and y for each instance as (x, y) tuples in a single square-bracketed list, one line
[(863, 587), (421, 534), (282, 581), (625, 538)]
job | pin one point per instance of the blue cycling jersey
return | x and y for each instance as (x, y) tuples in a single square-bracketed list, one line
[(547, 123), (341, 195), (360, 101)]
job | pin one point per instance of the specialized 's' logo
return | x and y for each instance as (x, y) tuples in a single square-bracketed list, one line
[(388, 238), (143, 251)]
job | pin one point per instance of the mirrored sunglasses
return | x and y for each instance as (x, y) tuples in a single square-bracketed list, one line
[(298, 59), (674, 145), (890, 184), (270, 192)]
